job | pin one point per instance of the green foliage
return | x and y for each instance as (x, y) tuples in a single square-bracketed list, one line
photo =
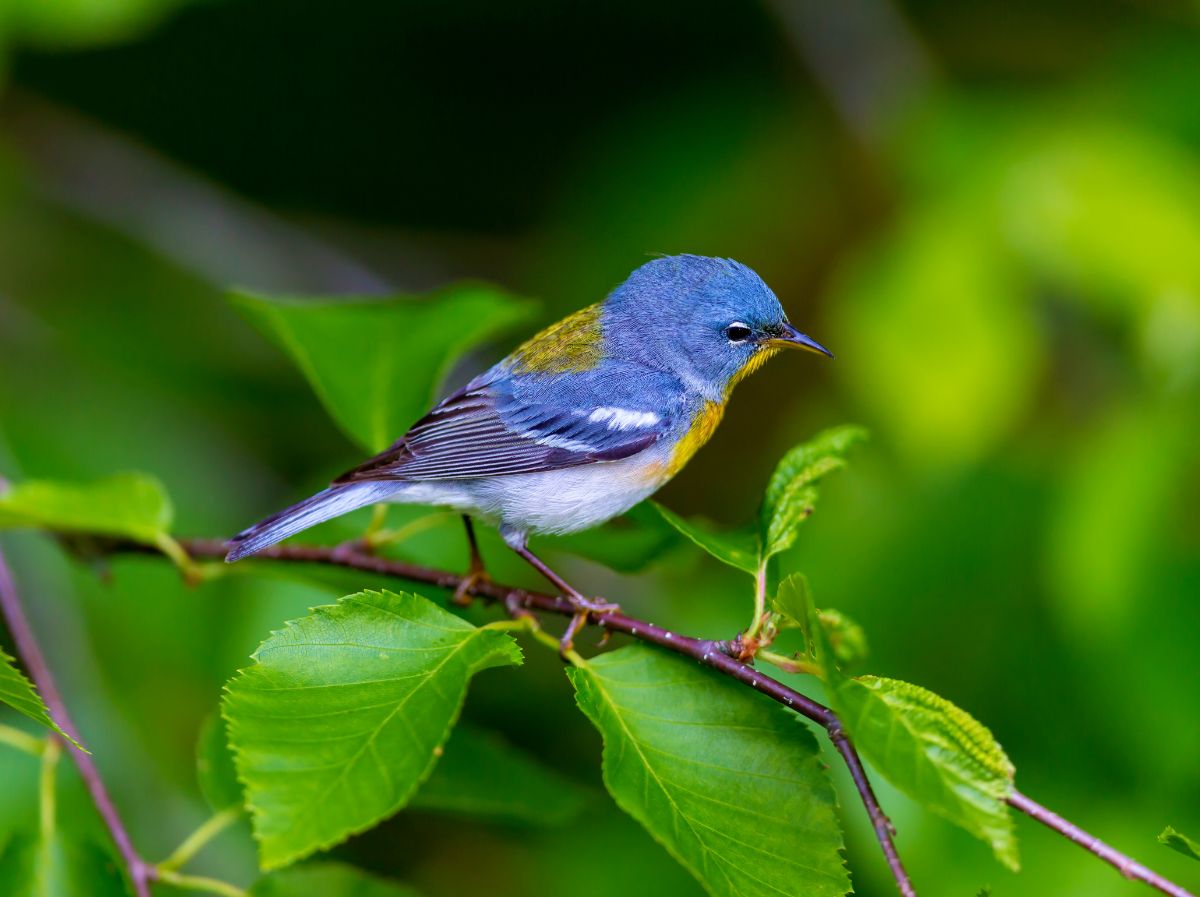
[(792, 491), (1180, 842), (18, 693), (129, 505), (935, 752), (344, 714), (326, 880), (736, 548), (792, 603), (483, 777), (790, 498), (57, 865), (729, 783), (215, 771), (627, 543), (377, 365)]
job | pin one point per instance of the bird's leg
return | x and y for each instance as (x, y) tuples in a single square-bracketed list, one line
[(583, 606), (476, 572)]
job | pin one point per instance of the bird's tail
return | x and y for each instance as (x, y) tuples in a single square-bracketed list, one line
[(325, 505)]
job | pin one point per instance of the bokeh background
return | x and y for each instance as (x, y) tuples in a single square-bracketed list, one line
[(989, 211)]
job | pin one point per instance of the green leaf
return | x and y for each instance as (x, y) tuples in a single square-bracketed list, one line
[(793, 602), (482, 776), (129, 505), (377, 365), (791, 493), (725, 780), (327, 880), (344, 713), (18, 693), (214, 766), (737, 549), (1180, 842), (35, 865), (934, 752)]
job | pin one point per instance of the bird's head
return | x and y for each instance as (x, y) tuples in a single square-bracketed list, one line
[(709, 321)]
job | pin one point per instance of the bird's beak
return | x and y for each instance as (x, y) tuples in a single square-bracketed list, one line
[(785, 336)]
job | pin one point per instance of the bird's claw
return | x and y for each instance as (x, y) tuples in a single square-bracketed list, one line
[(467, 585), (584, 608)]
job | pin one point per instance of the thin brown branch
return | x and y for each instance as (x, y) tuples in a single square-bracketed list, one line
[(1069, 830), (140, 872), (714, 654)]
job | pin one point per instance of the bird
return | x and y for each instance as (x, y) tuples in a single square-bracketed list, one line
[(578, 424)]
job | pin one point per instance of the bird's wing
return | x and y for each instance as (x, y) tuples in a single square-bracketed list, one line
[(485, 431)]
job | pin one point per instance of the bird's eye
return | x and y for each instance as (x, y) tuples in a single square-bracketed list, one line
[(737, 332)]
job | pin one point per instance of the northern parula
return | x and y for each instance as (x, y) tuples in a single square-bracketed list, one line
[(582, 421)]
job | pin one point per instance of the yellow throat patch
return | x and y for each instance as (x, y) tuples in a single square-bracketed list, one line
[(704, 424), (573, 345)]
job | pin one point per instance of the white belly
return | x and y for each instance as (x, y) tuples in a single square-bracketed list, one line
[(556, 501)]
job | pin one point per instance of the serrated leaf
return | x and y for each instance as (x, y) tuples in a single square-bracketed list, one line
[(376, 365), (215, 771), (36, 865), (934, 752), (1180, 842), (729, 783), (18, 693), (791, 493), (327, 880), (736, 548), (482, 776), (129, 505), (344, 712)]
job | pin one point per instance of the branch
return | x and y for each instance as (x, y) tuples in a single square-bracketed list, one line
[(1069, 830), (141, 873), (714, 654)]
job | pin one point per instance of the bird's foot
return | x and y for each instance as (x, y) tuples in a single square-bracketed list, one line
[(465, 589), (584, 607)]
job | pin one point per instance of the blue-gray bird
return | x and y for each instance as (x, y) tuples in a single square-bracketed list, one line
[(581, 422)]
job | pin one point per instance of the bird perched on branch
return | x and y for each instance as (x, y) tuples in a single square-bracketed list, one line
[(581, 422)]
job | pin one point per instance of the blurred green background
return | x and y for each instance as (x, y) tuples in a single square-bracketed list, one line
[(989, 211)]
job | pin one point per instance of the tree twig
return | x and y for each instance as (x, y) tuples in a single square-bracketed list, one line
[(1069, 830), (140, 872)]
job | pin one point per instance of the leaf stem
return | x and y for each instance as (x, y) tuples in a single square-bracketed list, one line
[(760, 603), (47, 805), (30, 652), (22, 741), (199, 839), (200, 883)]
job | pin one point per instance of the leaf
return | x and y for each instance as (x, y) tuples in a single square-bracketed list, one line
[(726, 781), (737, 549), (128, 505), (482, 776), (215, 771), (18, 693), (376, 365), (791, 492), (344, 713), (934, 752), (793, 602), (327, 880), (1180, 842), (34, 865)]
